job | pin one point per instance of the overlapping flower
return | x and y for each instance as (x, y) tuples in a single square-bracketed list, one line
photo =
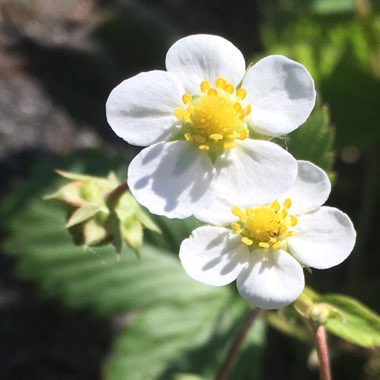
[(196, 119), (265, 247)]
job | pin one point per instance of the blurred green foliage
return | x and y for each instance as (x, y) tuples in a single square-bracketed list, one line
[(341, 49)]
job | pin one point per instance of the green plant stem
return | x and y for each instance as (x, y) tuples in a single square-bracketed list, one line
[(236, 344), (323, 353)]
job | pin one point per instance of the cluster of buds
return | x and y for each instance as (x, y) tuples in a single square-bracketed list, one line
[(101, 211)]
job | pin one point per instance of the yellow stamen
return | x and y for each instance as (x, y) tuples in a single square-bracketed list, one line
[(237, 211), (241, 93), (236, 227), (188, 137), (243, 134), (216, 136), (287, 203), (237, 107), (186, 116), (186, 98), (179, 113), (275, 206), (246, 241), (284, 213), (203, 147), (220, 83), (277, 245), (291, 233), (228, 145), (242, 114), (213, 92), (248, 110), (293, 221), (262, 244), (205, 86), (229, 88)]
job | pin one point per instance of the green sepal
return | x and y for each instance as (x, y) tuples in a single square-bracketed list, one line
[(133, 234), (82, 213)]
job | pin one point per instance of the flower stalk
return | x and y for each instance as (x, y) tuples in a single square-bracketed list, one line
[(236, 344), (323, 352)]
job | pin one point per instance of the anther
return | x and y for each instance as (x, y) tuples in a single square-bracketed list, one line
[(241, 93), (237, 107), (241, 114), (287, 203), (277, 245), (179, 113), (216, 136), (293, 221), (186, 98), (243, 134), (220, 83), (248, 110), (205, 86), (186, 116), (275, 206), (284, 213), (262, 244), (188, 137), (204, 147), (212, 92), (236, 227), (246, 241), (228, 145), (237, 211), (229, 88)]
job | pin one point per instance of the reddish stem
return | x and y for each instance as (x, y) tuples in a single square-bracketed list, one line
[(323, 353), (236, 344)]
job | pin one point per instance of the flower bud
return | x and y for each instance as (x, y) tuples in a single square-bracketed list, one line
[(101, 211)]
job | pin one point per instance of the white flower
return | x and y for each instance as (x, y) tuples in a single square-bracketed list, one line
[(265, 247), (196, 119)]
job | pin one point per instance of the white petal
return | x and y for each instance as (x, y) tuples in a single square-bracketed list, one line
[(141, 109), (254, 173), (282, 95), (310, 189), (213, 255), (218, 214), (322, 239), (196, 58), (172, 179), (272, 279)]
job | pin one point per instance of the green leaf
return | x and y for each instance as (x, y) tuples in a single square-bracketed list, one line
[(358, 324)]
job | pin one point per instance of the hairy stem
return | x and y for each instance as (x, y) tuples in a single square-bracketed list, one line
[(236, 344), (323, 353)]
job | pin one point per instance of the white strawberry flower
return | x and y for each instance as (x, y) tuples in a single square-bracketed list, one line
[(195, 119), (264, 248)]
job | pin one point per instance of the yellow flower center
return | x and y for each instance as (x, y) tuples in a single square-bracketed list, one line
[(265, 226), (214, 119)]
